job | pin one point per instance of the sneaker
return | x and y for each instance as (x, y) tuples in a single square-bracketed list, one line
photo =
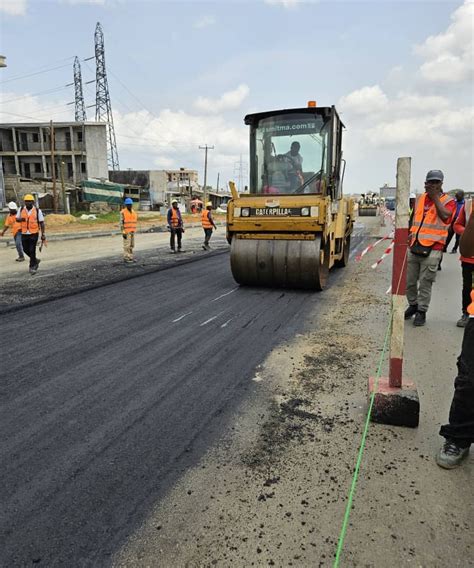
[(451, 455), (20, 259), (454, 251), (462, 321), (420, 319), (439, 266), (411, 311), (179, 250)]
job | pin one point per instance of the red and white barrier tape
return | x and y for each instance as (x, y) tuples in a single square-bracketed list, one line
[(372, 246), (387, 251)]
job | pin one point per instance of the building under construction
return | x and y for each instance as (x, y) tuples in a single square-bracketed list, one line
[(28, 154)]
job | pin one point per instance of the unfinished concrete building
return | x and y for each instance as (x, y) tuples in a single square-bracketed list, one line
[(27, 155)]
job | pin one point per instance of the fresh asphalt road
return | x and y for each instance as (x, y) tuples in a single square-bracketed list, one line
[(110, 394)]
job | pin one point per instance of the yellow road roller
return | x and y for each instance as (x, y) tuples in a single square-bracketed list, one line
[(294, 224)]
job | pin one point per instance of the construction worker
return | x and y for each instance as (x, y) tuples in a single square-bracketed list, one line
[(12, 222), (175, 224), (128, 224), (467, 263), (459, 432), (428, 234), (31, 220), (207, 224)]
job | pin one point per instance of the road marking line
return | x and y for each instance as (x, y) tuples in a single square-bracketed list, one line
[(207, 321), (181, 317), (227, 322), (226, 294)]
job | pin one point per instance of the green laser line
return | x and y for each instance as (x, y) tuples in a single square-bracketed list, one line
[(355, 477)]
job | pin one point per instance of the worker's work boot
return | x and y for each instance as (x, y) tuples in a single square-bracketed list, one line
[(20, 259), (411, 311), (451, 455), (420, 319), (462, 321)]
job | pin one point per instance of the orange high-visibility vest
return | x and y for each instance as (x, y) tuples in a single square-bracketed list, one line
[(11, 221), (129, 221), (427, 227), (206, 224), (470, 308), (174, 218), (29, 222)]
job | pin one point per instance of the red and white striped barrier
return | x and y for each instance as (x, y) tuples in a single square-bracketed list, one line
[(372, 246), (387, 251)]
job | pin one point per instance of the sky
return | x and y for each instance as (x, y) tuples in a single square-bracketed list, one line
[(184, 74)]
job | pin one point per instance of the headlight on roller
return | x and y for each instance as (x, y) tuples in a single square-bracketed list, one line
[(245, 212), (305, 211)]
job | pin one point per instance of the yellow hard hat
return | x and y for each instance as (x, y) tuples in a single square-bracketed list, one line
[(28, 197), (209, 204)]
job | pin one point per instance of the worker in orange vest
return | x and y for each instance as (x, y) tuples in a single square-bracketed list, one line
[(467, 263), (128, 224), (31, 220), (459, 432), (207, 224), (428, 235), (175, 225), (12, 222)]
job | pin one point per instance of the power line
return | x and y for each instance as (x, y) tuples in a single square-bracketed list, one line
[(17, 78), (46, 92)]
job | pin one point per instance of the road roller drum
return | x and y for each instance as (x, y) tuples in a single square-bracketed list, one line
[(284, 263)]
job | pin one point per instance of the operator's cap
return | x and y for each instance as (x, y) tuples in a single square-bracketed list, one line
[(435, 175), (12, 205)]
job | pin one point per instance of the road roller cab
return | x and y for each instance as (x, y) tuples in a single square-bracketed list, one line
[(294, 223)]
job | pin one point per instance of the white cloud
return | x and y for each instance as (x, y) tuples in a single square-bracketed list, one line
[(229, 100), (365, 101), (204, 21), (449, 55), (284, 3), (13, 7)]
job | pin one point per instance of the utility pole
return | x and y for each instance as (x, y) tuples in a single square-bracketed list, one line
[(205, 148), (217, 185), (103, 106), (80, 110), (53, 166), (63, 189), (240, 170)]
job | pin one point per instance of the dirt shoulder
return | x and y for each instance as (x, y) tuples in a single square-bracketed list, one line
[(274, 491)]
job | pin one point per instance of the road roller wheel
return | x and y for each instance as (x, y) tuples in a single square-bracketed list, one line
[(280, 263), (344, 260)]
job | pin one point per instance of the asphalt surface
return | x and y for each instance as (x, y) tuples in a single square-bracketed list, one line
[(112, 393)]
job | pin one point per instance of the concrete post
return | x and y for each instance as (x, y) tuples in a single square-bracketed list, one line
[(396, 403), (399, 271)]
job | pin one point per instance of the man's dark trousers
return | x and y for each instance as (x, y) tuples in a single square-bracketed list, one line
[(461, 415), (207, 236), (176, 233), (467, 276), (29, 247)]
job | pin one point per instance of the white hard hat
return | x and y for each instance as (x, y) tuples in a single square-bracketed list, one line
[(12, 205), (412, 195), (174, 201)]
